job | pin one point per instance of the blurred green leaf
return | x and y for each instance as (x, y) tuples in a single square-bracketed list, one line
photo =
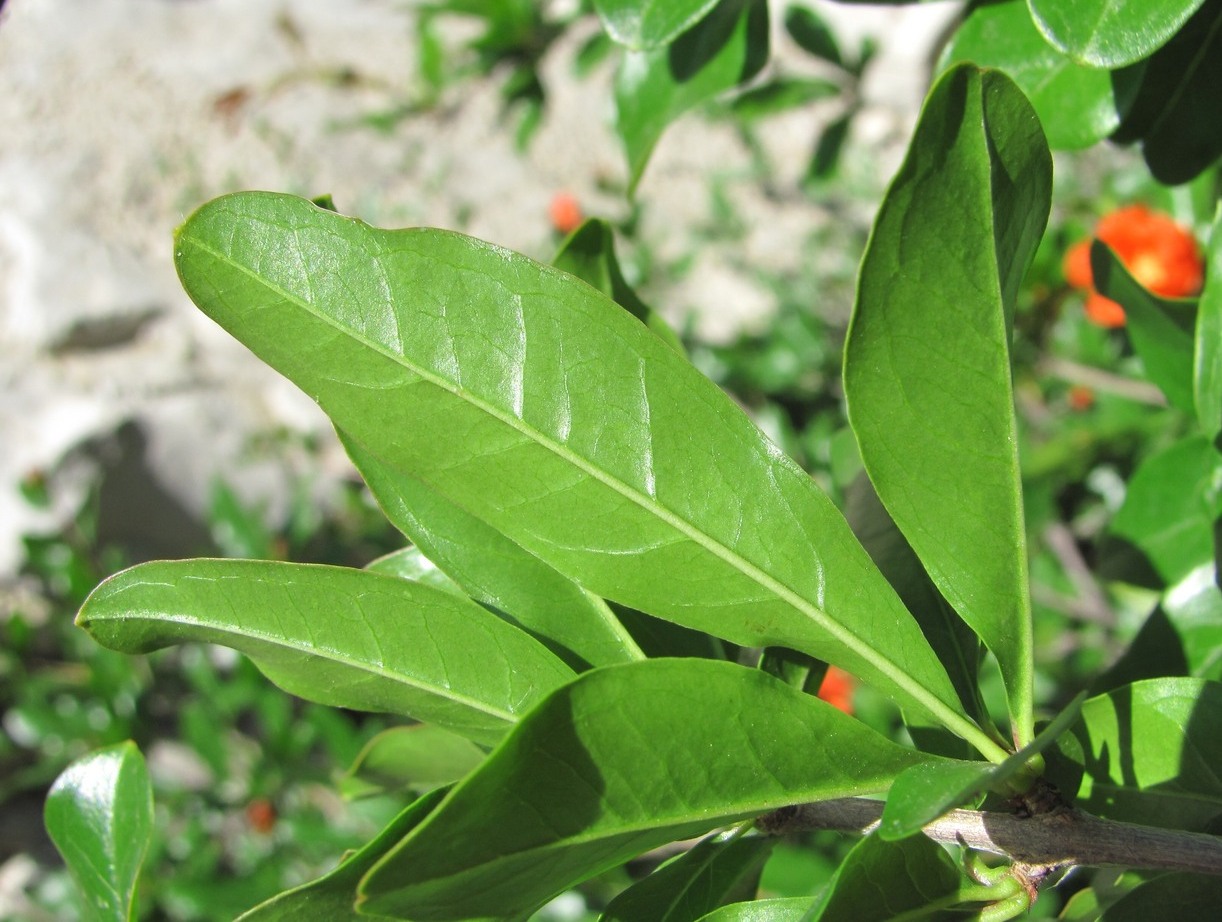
[(347, 638), (520, 393), (1193, 607), (644, 24), (781, 94), (1207, 342), (624, 759), (1160, 329), (1169, 896), (927, 363), (812, 34), (99, 813), (716, 871), (1164, 530), (589, 254), (881, 880), (1171, 100), (1075, 103), (653, 88), (574, 624), (332, 897), (418, 758), (1110, 33), (1149, 753)]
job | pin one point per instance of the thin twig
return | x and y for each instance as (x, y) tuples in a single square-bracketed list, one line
[(1091, 602), (1063, 838), (1100, 380)]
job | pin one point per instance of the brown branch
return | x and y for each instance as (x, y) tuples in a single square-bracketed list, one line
[(1060, 839)]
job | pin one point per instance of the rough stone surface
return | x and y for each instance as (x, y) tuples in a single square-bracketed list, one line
[(122, 115)]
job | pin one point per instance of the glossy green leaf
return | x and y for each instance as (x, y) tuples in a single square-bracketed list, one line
[(623, 760), (653, 88), (927, 361), (1110, 33), (1171, 100), (589, 254), (881, 880), (1150, 753), (574, 624), (1160, 329), (643, 24), (99, 813), (926, 792), (1169, 896), (716, 871), (416, 758), (1075, 103), (523, 396), (332, 897), (1164, 530), (346, 638), (409, 563), (1207, 343), (793, 909)]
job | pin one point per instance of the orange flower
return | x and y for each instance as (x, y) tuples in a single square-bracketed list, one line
[(1081, 398), (1162, 256), (565, 212), (261, 815), (837, 689)]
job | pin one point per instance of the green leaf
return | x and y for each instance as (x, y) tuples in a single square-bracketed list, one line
[(643, 24), (793, 909), (1171, 100), (925, 792), (812, 34), (1110, 33), (99, 813), (332, 897), (1149, 753), (1169, 896), (346, 638), (1160, 329), (653, 88), (525, 397), (1207, 343), (1075, 103), (490, 568), (781, 95), (417, 758), (1194, 607), (625, 759), (1164, 530), (881, 880), (409, 563), (718, 870), (589, 254), (927, 361)]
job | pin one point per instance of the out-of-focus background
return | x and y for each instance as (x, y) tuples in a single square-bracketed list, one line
[(131, 427)]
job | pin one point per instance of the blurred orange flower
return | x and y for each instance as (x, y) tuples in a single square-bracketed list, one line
[(1162, 256), (837, 689), (565, 212)]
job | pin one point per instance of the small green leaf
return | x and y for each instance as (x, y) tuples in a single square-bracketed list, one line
[(625, 759), (653, 88), (99, 813), (1168, 896), (812, 34), (716, 871), (346, 638), (1149, 754), (880, 880), (1170, 100), (489, 567), (1110, 33), (1160, 329), (780, 95), (1207, 343), (644, 24), (793, 909), (927, 362), (332, 897), (1075, 103), (416, 758), (410, 564), (525, 397), (1164, 530), (589, 254)]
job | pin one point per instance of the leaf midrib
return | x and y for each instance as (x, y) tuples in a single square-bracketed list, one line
[(919, 692)]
